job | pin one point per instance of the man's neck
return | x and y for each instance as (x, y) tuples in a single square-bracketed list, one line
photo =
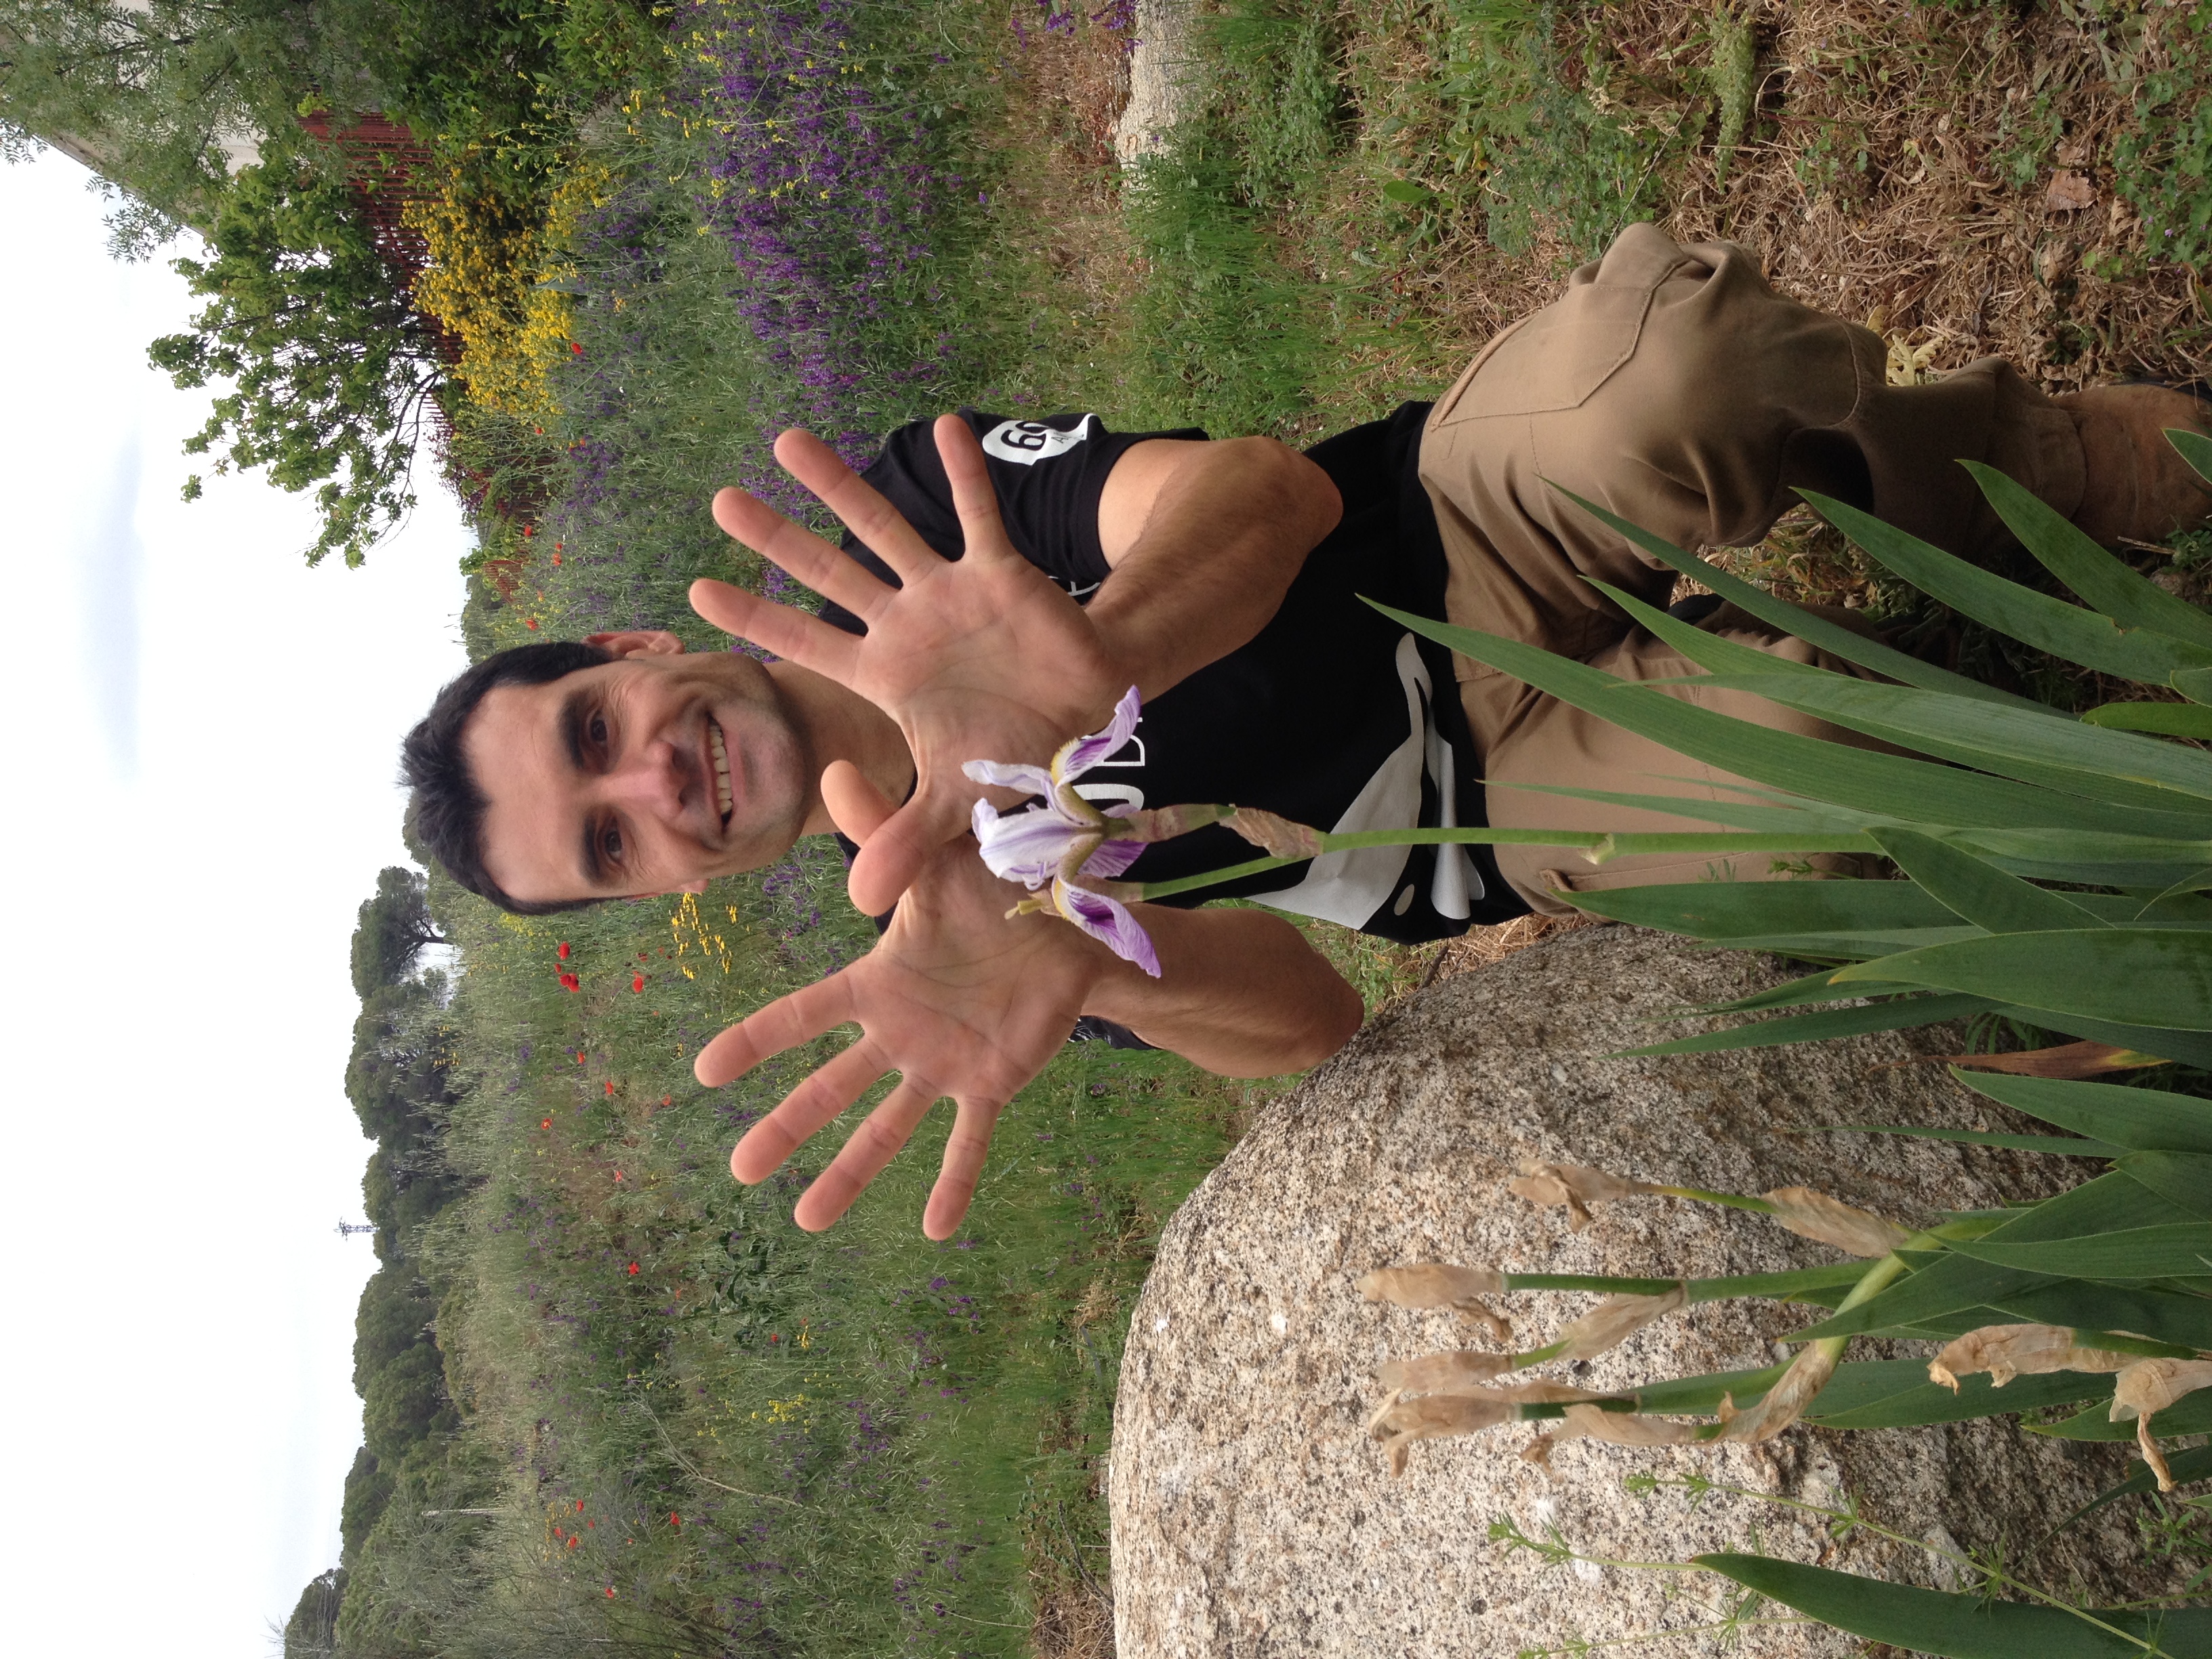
[(834, 724)]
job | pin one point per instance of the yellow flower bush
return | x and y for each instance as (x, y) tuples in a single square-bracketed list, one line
[(485, 284)]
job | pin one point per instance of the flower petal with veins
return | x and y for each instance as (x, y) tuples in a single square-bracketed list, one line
[(1079, 755), (1108, 921), (1030, 780)]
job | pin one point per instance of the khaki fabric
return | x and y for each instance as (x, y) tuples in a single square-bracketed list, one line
[(1672, 385)]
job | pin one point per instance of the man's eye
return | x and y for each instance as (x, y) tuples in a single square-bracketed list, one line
[(610, 844), (596, 731)]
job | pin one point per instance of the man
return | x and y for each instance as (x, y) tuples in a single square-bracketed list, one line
[(1008, 580)]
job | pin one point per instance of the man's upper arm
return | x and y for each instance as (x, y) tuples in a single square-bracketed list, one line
[(1132, 488)]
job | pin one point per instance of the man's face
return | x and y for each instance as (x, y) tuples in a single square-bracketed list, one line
[(647, 775)]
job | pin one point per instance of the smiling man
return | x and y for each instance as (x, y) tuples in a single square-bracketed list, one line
[(1005, 581)]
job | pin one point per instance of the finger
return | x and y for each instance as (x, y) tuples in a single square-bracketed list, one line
[(822, 1098), (858, 507), (828, 570), (964, 1153), (787, 631), (982, 530), (871, 1146), (856, 806), (788, 1021), (894, 855)]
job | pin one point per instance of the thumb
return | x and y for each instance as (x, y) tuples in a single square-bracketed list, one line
[(856, 806)]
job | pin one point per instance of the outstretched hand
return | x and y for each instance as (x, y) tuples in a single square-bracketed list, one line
[(955, 998), (982, 658)]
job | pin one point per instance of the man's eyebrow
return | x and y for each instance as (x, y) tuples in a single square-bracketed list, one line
[(572, 739)]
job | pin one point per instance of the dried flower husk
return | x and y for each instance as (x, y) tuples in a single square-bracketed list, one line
[(1166, 823), (2009, 1351), (2148, 1387), (1434, 1373), (1575, 1186), (1815, 1215), (1279, 837), (1427, 1417), (1614, 1428), (1614, 1320), (1440, 1284), (1786, 1400)]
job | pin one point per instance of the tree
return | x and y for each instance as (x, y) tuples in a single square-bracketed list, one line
[(312, 1630), (394, 927), (331, 368)]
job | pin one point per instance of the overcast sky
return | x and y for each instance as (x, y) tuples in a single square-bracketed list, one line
[(203, 797)]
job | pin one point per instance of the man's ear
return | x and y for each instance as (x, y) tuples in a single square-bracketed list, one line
[(639, 642)]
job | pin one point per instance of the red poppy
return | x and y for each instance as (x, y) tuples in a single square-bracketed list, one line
[(610, 1589), (526, 532), (674, 1519), (576, 347), (545, 1123), (668, 1100), (617, 1175), (562, 950), (773, 1337), (573, 1540), (556, 558), (570, 982), (531, 622), (579, 1056), (579, 1506), (633, 1269), (638, 983), (611, 1085)]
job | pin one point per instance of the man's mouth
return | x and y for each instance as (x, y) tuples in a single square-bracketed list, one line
[(724, 802)]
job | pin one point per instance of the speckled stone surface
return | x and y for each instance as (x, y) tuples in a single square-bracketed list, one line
[(1252, 1515)]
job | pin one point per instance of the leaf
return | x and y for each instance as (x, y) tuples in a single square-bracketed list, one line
[(2062, 1146), (2194, 1464), (1405, 191), (2182, 1179), (1861, 946), (2050, 624), (2196, 448), (1832, 637), (2128, 1252), (1792, 993), (1895, 1394), (2103, 582), (2144, 1120), (2065, 1060), (2139, 975), (1914, 790), (2172, 719), (2136, 1309), (1900, 1014), (2134, 771), (1976, 889), (1700, 1396), (1957, 1625), (1950, 1283), (1812, 815), (2191, 1414), (2190, 1047), (2194, 683), (1725, 909)]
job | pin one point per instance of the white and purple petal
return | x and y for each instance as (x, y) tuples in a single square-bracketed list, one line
[(1079, 755), (1112, 858), (1109, 922), (1004, 774), (1029, 846)]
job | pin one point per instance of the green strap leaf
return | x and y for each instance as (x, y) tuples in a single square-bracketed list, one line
[(2134, 975), (2102, 581), (1719, 910), (1962, 1626), (2170, 719), (1945, 1285), (1814, 815), (1914, 790), (1976, 889), (2112, 1201), (2196, 448), (2130, 1253), (2162, 1315), (2158, 776), (1832, 637), (2182, 1179), (1792, 994), (2190, 1047), (2194, 683), (2050, 624), (1896, 1393), (1902, 1014), (1700, 1396), (2191, 1414)]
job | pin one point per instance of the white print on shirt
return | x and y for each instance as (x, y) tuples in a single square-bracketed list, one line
[(1027, 442), (1350, 887), (1118, 800)]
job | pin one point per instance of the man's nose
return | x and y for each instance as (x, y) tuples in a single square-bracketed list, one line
[(649, 779)]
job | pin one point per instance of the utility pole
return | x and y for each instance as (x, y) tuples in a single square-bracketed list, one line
[(346, 1229)]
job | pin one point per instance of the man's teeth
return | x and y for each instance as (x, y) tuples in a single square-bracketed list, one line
[(724, 800)]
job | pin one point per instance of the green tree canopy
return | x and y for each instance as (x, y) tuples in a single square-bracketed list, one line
[(393, 926), (312, 1630)]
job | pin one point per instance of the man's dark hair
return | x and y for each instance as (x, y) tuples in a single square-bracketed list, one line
[(447, 809)]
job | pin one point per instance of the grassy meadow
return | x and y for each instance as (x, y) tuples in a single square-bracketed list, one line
[(616, 1403)]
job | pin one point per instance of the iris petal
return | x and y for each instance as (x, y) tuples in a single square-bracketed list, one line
[(1079, 755), (1027, 847), (1113, 857), (1109, 922), (1030, 780)]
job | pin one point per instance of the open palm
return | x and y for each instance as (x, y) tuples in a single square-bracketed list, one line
[(982, 658)]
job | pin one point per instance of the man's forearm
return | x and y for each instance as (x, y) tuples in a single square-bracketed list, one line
[(1227, 533), (1240, 992)]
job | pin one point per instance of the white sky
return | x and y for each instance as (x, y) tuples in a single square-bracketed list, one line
[(203, 797)]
